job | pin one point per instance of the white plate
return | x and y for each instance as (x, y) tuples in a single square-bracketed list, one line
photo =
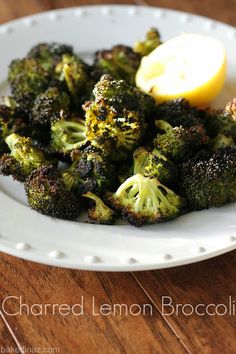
[(27, 234)]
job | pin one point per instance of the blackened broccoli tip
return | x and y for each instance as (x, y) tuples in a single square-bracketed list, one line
[(151, 42), (120, 61), (67, 135), (99, 212), (13, 120), (47, 193), (119, 94), (209, 180), (144, 200), (113, 131), (178, 143), (24, 157), (179, 112), (49, 106), (27, 79), (91, 171), (115, 120), (154, 164), (221, 121), (49, 54)]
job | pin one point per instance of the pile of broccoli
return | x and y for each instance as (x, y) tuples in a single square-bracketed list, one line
[(82, 136)]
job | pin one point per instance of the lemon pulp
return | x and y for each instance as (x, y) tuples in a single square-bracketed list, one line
[(192, 66)]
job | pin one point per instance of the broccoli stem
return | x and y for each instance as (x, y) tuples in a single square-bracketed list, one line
[(68, 79), (163, 125)]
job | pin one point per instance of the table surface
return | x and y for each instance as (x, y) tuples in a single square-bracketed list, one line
[(121, 330)]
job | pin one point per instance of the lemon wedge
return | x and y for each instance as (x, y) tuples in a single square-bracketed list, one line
[(192, 66)]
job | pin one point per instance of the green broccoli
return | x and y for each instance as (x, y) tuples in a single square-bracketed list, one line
[(115, 132), (99, 212), (24, 157), (144, 200), (47, 193), (220, 141), (151, 42), (91, 171), (178, 143), (74, 72), (49, 106), (209, 180), (221, 121), (12, 120), (49, 54), (154, 164), (67, 135), (120, 61), (27, 80), (115, 120)]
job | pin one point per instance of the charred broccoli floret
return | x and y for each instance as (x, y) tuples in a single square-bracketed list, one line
[(49, 54), (47, 193), (221, 141), (178, 112), (24, 157), (74, 72), (116, 132), (151, 42), (50, 106), (27, 80), (119, 94), (12, 120), (154, 164), (144, 200), (221, 121), (178, 143), (90, 171), (210, 179), (115, 120), (120, 61), (67, 135), (99, 212)]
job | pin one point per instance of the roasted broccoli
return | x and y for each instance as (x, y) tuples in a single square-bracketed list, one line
[(27, 80), (115, 120), (12, 120), (119, 94), (120, 61), (209, 180), (178, 112), (99, 212), (74, 72), (221, 141), (221, 121), (67, 135), (113, 131), (24, 157), (47, 193), (49, 106), (151, 42), (91, 171), (144, 200), (178, 143), (154, 164), (126, 154), (49, 54)]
